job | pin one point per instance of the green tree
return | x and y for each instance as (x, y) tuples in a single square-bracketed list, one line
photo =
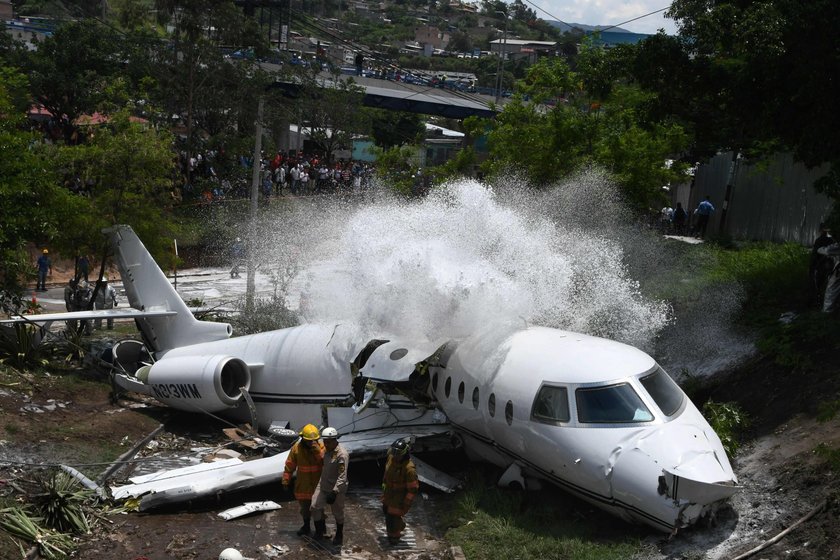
[(394, 166), (395, 128), (333, 112), (765, 73), (32, 206), (563, 127), (129, 167), (70, 71)]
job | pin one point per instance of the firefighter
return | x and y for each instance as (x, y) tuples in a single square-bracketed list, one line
[(399, 487), (332, 487), (307, 458)]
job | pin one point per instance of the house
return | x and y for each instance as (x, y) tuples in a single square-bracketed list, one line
[(515, 49), (431, 35), (7, 11)]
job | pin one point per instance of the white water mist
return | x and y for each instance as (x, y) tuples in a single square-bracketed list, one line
[(466, 257)]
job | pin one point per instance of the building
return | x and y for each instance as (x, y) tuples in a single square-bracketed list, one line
[(515, 49), (431, 35), (7, 11), (440, 145), (29, 31)]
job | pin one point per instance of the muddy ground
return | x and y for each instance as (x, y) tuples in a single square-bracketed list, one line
[(68, 417)]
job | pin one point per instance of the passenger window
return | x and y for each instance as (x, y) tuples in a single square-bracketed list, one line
[(551, 405), (475, 398), (447, 387), (461, 391), (509, 413), (665, 393), (491, 404), (615, 404)]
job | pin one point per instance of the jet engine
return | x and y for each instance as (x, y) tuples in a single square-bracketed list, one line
[(210, 383)]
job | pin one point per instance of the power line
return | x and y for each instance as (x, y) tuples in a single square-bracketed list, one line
[(592, 32)]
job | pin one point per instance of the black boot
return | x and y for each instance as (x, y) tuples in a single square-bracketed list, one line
[(338, 539), (320, 529), (304, 530)]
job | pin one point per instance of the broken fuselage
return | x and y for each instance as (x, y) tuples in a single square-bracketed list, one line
[(596, 417)]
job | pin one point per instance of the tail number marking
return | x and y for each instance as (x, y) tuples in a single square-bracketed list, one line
[(176, 391)]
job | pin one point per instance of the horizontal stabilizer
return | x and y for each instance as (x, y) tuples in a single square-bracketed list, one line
[(124, 313)]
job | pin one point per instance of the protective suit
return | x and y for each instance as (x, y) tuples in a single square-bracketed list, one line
[(332, 487), (307, 458), (399, 487)]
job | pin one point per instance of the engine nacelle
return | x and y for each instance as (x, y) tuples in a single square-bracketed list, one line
[(208, 383)]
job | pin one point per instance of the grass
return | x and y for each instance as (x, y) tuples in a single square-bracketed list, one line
[(488, 522), (774, 276)]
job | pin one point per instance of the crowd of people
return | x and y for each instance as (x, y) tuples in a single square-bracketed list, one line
[(321, 465), (676, 221), (296, 173)]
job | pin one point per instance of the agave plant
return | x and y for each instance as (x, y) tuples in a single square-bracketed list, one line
[(51, 544), (60, 502), (22, 346)]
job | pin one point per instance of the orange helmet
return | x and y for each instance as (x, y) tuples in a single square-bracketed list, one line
[(310, 433)]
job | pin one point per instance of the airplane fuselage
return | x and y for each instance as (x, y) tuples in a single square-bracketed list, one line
[(594, 416)]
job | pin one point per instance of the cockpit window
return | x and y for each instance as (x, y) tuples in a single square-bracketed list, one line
[(616, 404), (665, 393), (551, 405)]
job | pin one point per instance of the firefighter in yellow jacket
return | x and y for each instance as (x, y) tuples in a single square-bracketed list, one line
[(307, 458), (399, 487)]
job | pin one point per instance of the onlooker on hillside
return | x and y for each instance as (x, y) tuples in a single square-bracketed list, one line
[(44, 268), (703, 212), (680, 218), (83, 266)]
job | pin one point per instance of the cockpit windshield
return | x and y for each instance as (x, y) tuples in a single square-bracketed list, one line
[(665, 393), (614, 404)]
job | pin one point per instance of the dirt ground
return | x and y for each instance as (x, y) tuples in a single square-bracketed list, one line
[(69, 418)]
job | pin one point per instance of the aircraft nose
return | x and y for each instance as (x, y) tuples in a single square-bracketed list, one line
[(687, 450), (660, 472)]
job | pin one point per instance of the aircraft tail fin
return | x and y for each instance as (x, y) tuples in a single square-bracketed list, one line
[(148, 289)]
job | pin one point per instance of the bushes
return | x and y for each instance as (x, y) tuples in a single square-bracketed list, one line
[(728, 421)]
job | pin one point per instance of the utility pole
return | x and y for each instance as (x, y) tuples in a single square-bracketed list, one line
[(255, 192), (500, 65), (730, 184)]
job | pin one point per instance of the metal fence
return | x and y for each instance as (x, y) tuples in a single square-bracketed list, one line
[(772, 201)]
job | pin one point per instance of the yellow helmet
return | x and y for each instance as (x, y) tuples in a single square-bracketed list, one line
[(310, 432), (46, 251)]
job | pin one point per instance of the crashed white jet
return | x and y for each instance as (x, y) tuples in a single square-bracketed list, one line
[(596, 417)]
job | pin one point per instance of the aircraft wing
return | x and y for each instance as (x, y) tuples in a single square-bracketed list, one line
[(210, 479), (122, 313)]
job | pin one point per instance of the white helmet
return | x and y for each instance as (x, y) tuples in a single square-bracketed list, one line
[(329, 433), (230, 554)]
